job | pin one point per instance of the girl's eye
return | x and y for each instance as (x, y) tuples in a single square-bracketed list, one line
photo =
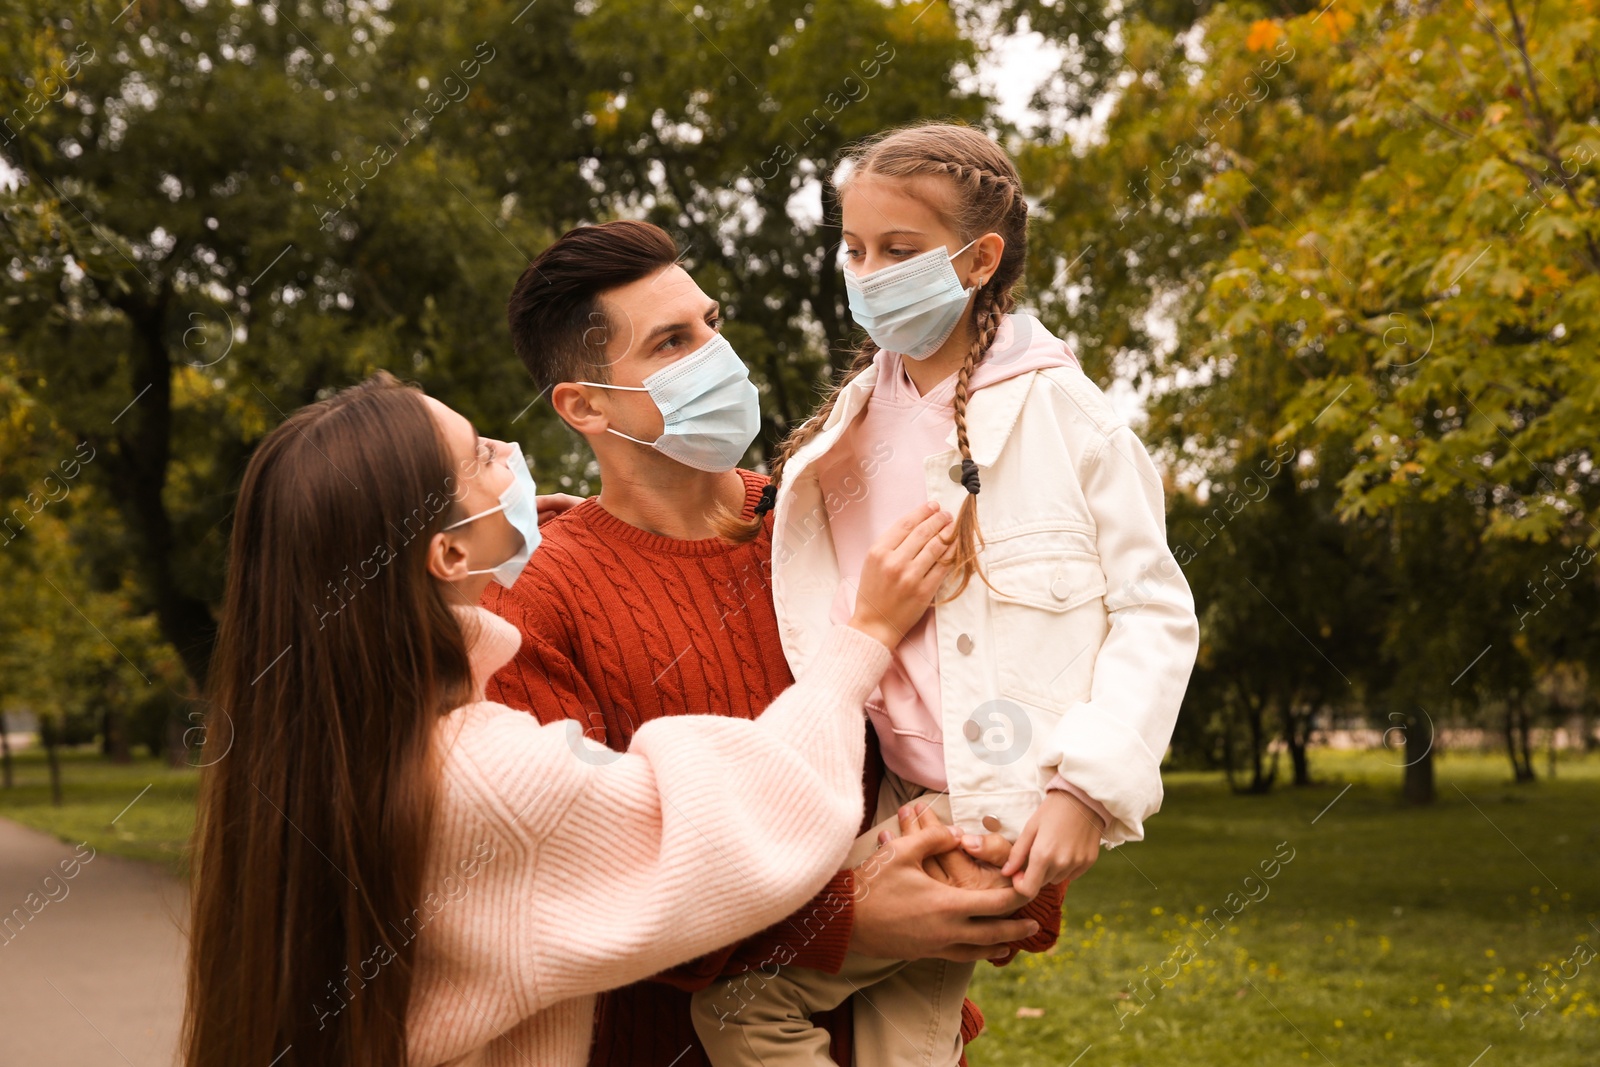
[(853, 253), (901, 253)]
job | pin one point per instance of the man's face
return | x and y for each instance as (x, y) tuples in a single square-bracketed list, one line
[(650, 324)]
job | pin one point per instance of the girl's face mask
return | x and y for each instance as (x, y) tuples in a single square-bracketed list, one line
[(913, 306)]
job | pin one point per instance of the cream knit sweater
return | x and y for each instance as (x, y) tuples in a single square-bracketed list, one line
[(559, 868)]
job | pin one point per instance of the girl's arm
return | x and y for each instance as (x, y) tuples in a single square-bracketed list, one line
[(1110, 746)]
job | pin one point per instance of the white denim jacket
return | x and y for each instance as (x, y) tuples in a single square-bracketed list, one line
[(1078, 659)]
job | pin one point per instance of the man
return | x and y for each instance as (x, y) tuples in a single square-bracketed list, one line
[(634, 608)]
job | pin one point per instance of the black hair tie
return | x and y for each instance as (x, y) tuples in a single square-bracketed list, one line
[(969, 476), (769, 499)]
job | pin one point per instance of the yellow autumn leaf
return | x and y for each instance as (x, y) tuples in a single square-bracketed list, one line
[(1557, 276), (1334, 22), (1263, 35)]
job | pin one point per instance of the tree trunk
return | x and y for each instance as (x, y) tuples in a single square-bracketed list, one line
[(1261, 778), (134, 466), (5, 751), (825, 302), (1516, 730), (50, 735), (1419, 786), (1297, 737), (177, 746), (1229, 757), (116, 736)]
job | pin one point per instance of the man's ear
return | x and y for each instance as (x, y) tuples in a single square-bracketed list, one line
[(986, 258), (571, 402)]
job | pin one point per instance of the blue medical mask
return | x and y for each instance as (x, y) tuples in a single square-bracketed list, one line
[(522, 512), (913, 306), (710, 409)]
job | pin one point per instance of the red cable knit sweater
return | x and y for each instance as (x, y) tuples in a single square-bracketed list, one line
[(620, 626)]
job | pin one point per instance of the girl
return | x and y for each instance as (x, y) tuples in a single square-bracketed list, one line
[(388, 867), (1033, 703)]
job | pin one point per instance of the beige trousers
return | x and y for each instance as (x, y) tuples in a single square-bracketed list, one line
[(907, 1013)]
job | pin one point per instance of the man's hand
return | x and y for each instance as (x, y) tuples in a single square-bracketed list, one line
[(1061, 842), (903, 914)]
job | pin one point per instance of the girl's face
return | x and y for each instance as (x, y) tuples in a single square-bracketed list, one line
[(890, 220)]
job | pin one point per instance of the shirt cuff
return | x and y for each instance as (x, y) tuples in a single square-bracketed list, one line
[(1061, 784)]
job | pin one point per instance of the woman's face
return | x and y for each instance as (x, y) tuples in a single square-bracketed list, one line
[(482, 472)]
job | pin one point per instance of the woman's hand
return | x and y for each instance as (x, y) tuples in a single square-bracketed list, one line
[(1061, 842), (974, 868), (549, 505), (903, 570)]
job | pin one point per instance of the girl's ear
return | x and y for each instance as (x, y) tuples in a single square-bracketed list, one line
[(986, 255)]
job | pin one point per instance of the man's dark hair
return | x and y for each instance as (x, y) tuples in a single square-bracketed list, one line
[(558, 326)]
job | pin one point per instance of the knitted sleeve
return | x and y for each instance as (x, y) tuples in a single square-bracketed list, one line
[(816, 937), (708, 828), (1044, 909)]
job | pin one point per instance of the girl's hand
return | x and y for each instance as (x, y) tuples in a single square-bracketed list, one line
[(902, 572), (1060, 843), (549, 505)]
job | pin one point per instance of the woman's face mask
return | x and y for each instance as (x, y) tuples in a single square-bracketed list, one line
[(518, 502), (913, 306), (710, 410)]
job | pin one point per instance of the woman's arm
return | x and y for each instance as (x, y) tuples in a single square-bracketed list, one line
[(705, 831)]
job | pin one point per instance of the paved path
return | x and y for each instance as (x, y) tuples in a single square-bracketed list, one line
[(96, 976)]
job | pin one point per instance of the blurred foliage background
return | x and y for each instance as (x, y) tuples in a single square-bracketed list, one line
[(1344, 257)]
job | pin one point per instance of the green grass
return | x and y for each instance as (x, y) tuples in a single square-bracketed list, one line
[(1394, 936), (155, 828)]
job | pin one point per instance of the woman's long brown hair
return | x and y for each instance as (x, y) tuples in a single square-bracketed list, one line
[(979, 192), (337, 654)]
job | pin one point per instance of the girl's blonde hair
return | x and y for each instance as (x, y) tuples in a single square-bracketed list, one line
[(983, 195)]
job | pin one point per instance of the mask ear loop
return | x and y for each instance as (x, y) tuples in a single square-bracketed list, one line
[(626, 389), (963, 248), (470, 518)]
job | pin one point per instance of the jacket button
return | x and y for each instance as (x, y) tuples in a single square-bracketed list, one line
[(1059, 589), (964, 644), (991, 824), (972, 729), (955, 473)]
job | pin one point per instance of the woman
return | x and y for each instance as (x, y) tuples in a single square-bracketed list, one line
[(387, 865)]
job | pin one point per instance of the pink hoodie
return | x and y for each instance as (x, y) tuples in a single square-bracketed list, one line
[(876, 472)]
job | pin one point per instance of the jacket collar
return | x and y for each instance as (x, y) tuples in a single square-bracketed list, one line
[(991, 416)]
